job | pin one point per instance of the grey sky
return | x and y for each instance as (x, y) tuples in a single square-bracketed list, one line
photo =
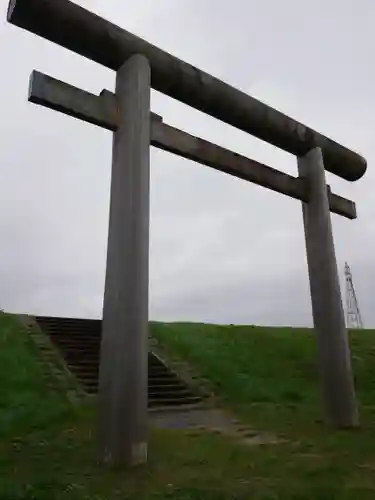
[(222, 250)]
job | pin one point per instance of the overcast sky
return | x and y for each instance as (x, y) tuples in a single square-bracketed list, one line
[(222, 250)]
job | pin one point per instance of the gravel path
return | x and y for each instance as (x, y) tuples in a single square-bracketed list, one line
[(211, 420)]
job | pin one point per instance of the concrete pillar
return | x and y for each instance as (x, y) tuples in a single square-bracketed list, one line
[(124, 350), (328, 314)]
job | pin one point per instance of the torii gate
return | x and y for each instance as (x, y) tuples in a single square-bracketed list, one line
[(140, 66)]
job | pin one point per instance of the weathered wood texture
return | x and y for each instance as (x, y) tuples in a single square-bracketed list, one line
[(124, 349), (329, 321), (103, 111), (73, 27)]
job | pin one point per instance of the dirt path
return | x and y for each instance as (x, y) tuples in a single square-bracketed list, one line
[(211, 420)]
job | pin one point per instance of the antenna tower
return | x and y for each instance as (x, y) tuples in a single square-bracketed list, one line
[(353, 314)]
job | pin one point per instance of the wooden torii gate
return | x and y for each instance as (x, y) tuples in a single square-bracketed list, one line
[(140, 66)]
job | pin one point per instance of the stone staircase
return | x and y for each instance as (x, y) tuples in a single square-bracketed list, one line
[(79, 343)]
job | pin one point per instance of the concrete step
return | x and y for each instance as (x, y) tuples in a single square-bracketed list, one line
[(79, 342), (153, 392), (174, 402), (177, 388)]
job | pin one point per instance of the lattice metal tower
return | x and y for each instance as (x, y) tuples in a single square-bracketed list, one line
[(353, 314)]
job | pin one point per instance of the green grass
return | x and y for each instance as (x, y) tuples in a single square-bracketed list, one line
[(47, 446), (257, 370)]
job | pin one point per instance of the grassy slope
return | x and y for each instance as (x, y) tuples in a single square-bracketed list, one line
[(47, 446), (268, 375)]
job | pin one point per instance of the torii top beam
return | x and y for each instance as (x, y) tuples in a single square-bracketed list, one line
[(75, 28)]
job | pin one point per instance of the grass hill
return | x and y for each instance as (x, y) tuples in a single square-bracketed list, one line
[(266, 376)]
